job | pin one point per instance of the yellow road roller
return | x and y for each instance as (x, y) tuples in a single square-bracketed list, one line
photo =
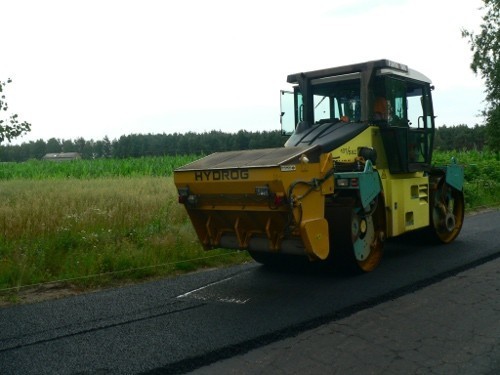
[(356, 169)]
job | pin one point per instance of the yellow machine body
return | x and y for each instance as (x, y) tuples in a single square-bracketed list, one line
[(406, 195), (249, 207)]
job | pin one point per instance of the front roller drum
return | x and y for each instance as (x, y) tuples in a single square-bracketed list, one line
[(356, 238)]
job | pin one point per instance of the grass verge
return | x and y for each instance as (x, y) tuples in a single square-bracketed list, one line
[(97, 232)]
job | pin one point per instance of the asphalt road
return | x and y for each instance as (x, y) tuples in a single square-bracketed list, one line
[(178, 325)]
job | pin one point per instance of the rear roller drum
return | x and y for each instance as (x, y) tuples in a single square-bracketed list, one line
[(447, 213)]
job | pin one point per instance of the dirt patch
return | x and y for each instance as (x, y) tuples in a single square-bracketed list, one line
[(40, 293)]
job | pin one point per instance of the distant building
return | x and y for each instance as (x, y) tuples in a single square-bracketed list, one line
[(62, 156)]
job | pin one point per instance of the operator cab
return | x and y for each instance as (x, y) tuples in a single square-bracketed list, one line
[(331, 106)]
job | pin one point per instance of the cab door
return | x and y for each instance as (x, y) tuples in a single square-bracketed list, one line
[(408, 125)]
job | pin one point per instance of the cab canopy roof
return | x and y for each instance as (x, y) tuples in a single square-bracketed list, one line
[(382, 67)]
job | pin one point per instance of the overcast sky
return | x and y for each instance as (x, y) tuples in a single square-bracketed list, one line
[(115, 67)]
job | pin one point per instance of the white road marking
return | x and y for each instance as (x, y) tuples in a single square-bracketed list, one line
[(220, 299)]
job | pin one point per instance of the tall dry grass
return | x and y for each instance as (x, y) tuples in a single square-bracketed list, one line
[(68, 228)]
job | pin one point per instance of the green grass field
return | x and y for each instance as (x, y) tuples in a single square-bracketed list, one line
[(482, 176), (91, 223), (69, 228)]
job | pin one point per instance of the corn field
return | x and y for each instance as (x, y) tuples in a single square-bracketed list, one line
[(94, 168)]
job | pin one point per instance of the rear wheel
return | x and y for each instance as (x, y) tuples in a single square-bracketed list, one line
[(356, 237), (447, 213)]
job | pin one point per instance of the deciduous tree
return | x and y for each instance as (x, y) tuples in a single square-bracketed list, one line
[(11, 127), (485, 46)]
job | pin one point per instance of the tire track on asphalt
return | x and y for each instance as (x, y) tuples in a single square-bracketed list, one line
[(89, 330)]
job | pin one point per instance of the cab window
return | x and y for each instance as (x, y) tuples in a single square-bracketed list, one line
[(334, 101)]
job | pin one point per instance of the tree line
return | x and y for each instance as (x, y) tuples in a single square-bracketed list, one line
[(138, 145), (459, 137)]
